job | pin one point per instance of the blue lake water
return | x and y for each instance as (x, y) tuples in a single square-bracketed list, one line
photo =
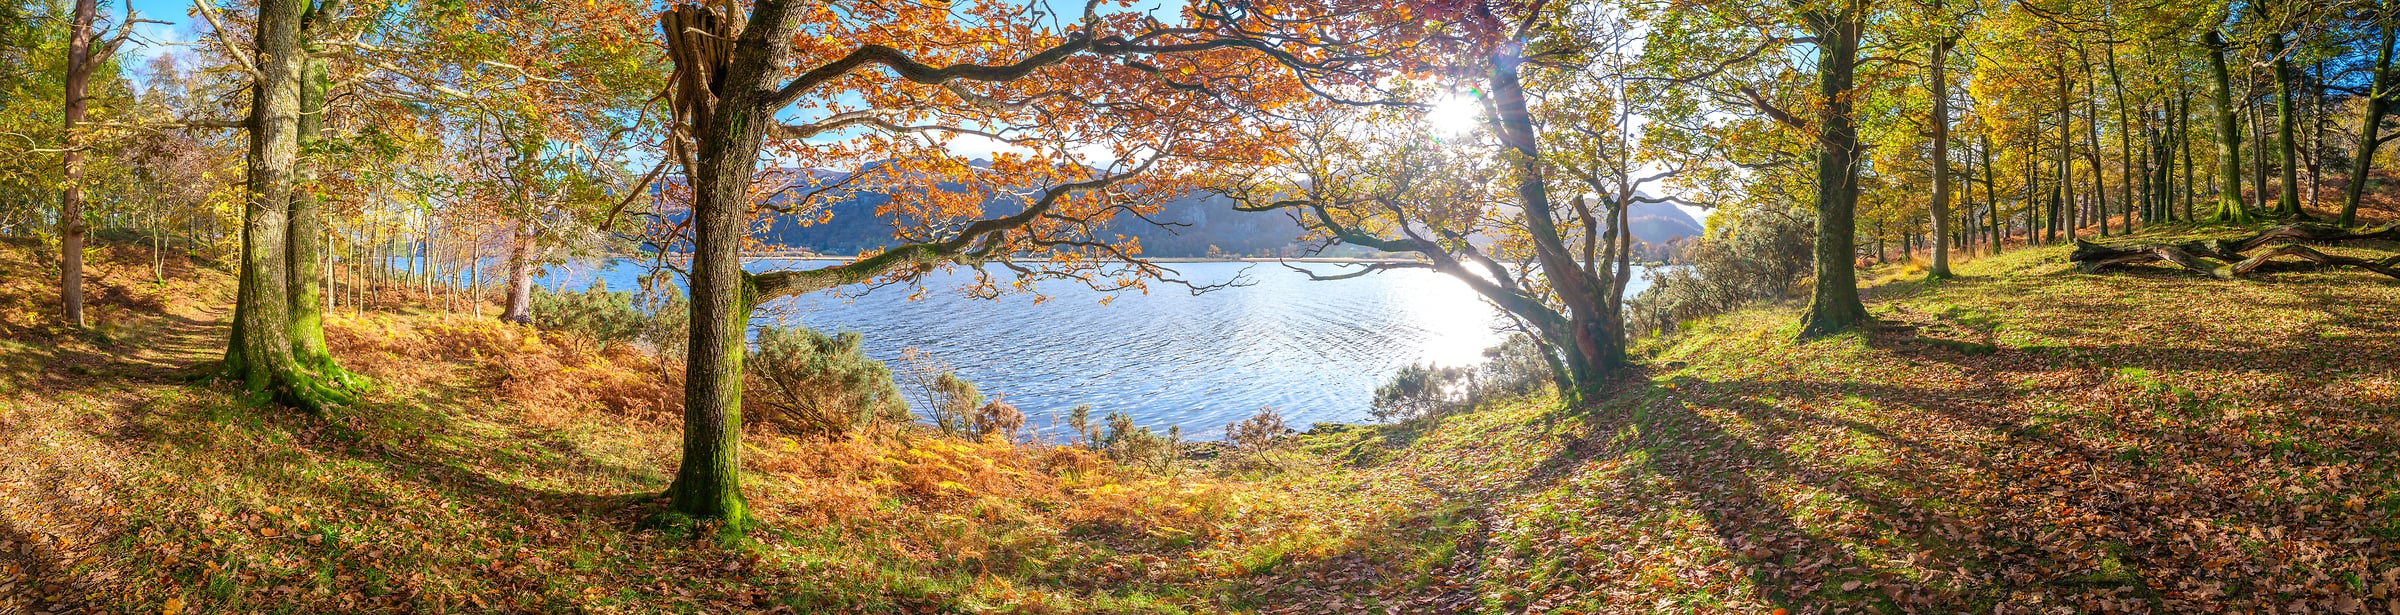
[(1313, 350)]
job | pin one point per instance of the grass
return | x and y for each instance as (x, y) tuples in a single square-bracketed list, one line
[(2021, 438)]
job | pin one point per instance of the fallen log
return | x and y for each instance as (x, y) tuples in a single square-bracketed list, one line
[(2092, 257), (2315, 233), (2383, 266), (2230, 259)]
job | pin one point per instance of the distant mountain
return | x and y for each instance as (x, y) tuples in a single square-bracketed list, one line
[(1659, 223), (1198, 225)]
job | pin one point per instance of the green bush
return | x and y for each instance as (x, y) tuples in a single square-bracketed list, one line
[(604, 316), (1748, 256), (1422, 391), (1513, 368), (1126, 444), (810, 383)]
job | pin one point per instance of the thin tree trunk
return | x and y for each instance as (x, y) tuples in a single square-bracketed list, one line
[(1991, 194), (70, 199), (2060, 190), (2091, 154), (1941, 160), (2125, 152)]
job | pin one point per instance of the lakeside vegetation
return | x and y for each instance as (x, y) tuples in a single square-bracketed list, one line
[(2009, 440), (2001, 306)]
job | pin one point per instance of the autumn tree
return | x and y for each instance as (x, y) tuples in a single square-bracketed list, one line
[(1083, 104)]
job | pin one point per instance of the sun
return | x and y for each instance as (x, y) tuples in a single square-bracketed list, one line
[(1454, 115)]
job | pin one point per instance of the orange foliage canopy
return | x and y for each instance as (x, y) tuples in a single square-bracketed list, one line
[(1013, 135)]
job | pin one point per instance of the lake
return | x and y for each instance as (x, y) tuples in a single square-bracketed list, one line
[(1313, 350)]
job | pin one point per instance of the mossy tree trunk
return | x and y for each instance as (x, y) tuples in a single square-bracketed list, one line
[(2370, 123), (2287, 150), (260, 349), (305, 233), (2230, 207), (1834, 306), (725, 101)]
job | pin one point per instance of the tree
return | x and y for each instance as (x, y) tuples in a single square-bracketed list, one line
[(85, 53), (1940, 95), (1834, 306), (262, 350), (901, 91), (2230, 206), (2378, 102)]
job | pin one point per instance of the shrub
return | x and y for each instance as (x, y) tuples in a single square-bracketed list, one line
[(1126, 444), (1421, 391), (1749, 256), (603, 316), (816, 384), (1513, 368), (951, 401), (996, 418), (1259, 433)]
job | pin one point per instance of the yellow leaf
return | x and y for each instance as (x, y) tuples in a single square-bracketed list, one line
[(174, 606)]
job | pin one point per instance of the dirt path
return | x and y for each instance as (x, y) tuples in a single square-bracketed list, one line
[(68, 440)]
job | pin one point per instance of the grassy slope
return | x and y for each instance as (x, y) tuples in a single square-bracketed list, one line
[(2040, 438), (496, 470), (2033, 438)]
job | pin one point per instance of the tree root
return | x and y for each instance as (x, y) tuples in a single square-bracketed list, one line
[(2229, 259)]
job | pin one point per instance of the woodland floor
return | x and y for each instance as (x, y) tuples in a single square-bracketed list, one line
[(2024, 438)]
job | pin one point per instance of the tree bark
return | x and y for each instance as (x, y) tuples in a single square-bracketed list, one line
[(2287, 199), (70, 199), (1941, 160), (1834, 306), (729, 132), (2362, 164), (2125, 151), (304, 232), (259, 351), (519, 307), (2062, 190), (1991, 194), (1595, 338), (2092, 151), (2230, 205)]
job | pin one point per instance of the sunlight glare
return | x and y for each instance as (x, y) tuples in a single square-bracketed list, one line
[(1454, 115)]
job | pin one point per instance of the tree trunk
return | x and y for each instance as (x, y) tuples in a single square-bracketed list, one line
[(2258, 152), (1991, 194), (728, 136), (2061, 190), (2091, 153), (2362, 164), (1594, 337), (305, 231), (2287, 199), (2183, 141), (2230, 205), (1941, 161), (70, 199), (519, 308), (2125, 152), (1834, 306), (259, 351)]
